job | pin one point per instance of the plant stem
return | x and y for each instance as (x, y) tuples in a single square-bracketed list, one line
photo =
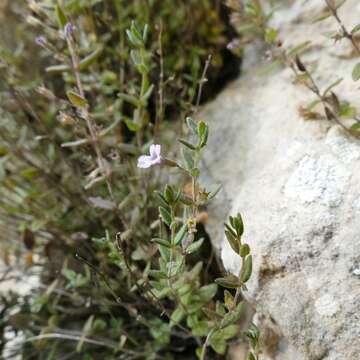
[(346, 33), (314, 88), (202, 81), (92, 129), (160, 116), (206, 343)]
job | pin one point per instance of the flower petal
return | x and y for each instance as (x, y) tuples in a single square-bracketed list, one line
[(157, 161), (144, 161), (157, 150), (152, 151)]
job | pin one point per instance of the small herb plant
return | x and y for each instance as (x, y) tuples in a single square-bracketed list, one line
[(251, 21), (175, 279)]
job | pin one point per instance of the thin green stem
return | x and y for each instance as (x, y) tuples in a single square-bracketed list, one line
[(206, 343)]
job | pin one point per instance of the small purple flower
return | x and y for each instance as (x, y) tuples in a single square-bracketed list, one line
[(145, 161), (233, 44), (69, 29), (40, 40)]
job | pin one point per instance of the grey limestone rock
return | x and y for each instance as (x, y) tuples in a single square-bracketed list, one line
[(297, 185)]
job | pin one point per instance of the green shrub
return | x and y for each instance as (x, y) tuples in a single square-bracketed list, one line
[(121, 264)]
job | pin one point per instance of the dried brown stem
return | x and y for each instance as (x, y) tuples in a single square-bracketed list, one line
[(344, 30), (160, 115), (202, 81), (93, 130)]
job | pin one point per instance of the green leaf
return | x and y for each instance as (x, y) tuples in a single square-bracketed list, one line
[(90, 59), (195, 172), (161, 242), (76, 99), (176, 316), (356, 72), (228, 299), (220, 308), (186, 200), (161, 198), (270, 67), (187, 144), (160, 331), (133, 39), (244, 250), (157, 274), (232, 240), (218, 345), (232, 316), (194, 307), (322, 17), (69, 274), (339, 4), (136, 58), (29, 173), (246, 28), (131, 125), (184, 289), (3, 151), (169, 195), (253, 334), (61, 17), (347, 110), (206, 293), (148, 93), (158, 285), (251, 356), (130, 99), (162, 293), (227, 227), (311, 106), (135, 30), (252, 9), (200, 329), (192, 125), (355, 129), (229, 281), (201, 129), (301, 48), (203, 134), (238, 225), (99, 325), (84, 63), (164, 252), (194, 246), (58, 68), (86, 331), (180, 235), (214, 192), (230, 331), (270, 35), (335, 83), (355, 29), (165, 216), (145, 33), (247, 270), (188, 159)]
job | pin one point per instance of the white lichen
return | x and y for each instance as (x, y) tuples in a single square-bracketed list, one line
[(321, 179)]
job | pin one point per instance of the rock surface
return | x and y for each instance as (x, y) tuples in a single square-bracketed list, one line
[(296, 183)]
